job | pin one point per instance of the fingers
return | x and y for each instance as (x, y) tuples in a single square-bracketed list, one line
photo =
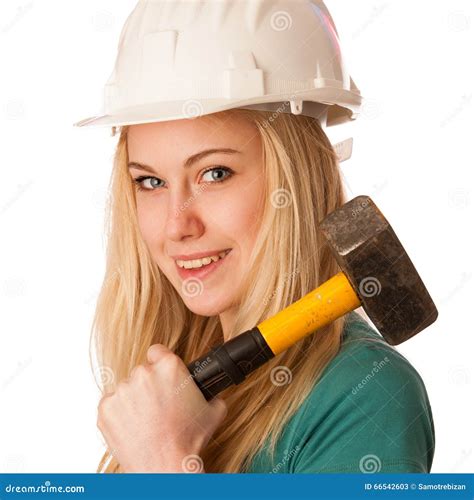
[(156, 352)]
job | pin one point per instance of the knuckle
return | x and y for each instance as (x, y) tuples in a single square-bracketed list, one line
[(157, 349), (138, 372), (170, 361), (157, 352)]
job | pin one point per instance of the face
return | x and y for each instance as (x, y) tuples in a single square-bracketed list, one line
[(193, 204)]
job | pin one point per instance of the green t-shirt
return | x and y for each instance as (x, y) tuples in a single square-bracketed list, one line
[(369, 412)]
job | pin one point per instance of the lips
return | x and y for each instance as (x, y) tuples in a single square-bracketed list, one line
[(198, 255), (202, 272)]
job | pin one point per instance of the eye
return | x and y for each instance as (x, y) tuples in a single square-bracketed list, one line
[(220, 178), (154, 181), (140, 180)]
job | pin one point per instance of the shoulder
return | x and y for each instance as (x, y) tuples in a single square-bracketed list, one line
[(369, 409), (365, 361)]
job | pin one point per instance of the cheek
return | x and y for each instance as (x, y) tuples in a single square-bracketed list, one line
[(149, 224), (238, 213)]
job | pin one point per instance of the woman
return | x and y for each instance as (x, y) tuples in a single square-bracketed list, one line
[(340, 400)]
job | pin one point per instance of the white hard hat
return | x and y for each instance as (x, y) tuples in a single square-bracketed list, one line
[(186, 58)]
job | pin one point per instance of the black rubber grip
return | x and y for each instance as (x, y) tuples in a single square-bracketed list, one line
[(230, 362)]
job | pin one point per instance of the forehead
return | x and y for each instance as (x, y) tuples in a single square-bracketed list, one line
[(175, 140)]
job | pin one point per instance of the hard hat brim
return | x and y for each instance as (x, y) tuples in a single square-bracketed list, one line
[(193, 108)]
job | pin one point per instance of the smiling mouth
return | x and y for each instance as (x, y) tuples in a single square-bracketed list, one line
[(202, 262), (203, 270)]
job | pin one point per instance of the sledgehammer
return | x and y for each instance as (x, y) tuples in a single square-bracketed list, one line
[(377, 274)]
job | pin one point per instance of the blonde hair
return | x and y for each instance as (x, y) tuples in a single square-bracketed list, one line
[(137, 306)]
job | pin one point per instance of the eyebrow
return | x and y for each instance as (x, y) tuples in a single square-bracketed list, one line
[(190, 161)]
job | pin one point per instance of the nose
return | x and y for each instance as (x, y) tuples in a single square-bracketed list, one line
[(183, 219)]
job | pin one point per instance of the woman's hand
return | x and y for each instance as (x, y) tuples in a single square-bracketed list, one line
[(158, 420)]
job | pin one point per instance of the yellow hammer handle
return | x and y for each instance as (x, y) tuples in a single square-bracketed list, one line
[(324, 304)]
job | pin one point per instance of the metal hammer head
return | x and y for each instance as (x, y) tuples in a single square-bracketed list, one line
[(380, 271)]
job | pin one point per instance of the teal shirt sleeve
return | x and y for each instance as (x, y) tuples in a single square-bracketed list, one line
[(370, 412)]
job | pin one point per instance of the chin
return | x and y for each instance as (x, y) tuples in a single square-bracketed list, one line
[(204, 305)]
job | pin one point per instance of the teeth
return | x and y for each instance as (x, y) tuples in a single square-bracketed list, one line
[(196, 263)]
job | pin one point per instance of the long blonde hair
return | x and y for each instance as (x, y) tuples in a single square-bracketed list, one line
[(289, 260)]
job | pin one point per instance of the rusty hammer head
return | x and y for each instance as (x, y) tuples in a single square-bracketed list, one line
[(379, 269)]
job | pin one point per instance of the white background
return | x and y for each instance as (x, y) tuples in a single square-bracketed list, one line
[(413, 62)]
